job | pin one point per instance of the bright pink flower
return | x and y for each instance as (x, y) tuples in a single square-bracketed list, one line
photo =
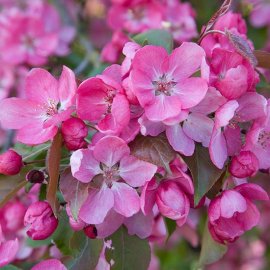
[(232, 213), (48, 102), (162, 82), (226, 136), (40, 221), (114, 174), (74, 131), (8, 249), (112, 51), (258, 139), (231, 74), (244, 165), (50, 264), (135, 17), (100, 100), (10, 162)]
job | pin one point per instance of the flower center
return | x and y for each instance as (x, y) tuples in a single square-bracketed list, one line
[(264, 139), (109, 100), (163, 85), (110, 174), (51, 108)]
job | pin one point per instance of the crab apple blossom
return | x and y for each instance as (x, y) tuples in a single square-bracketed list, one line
[(101, 100), (50, 264), (40, 221), (244, 165), (74, 131), (233, 212), (114, 174), (163, 83), (47, 103), (10, 162), (8, 249)]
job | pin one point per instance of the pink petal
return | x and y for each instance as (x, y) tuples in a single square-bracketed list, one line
[(214, 211), (41, 86), (136, 172), (218, 148), (148, 196), (199, 127), (8, 251), (110, 149), (179, 140), (252, 192), (232, 202), (51, 264), (191, 91), (126, 199), (97, 205), (149, 127), (84, 166), (185, 60), (67, 88)]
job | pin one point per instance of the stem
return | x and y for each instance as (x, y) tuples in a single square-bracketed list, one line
[(210, 32)]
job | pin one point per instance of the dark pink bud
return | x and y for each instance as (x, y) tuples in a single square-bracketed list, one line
[(74, 132), (35, 176), (90, 231), (244, 165), (40, 221), (10, 163)]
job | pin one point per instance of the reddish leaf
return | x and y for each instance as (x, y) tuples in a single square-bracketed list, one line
[(73, 191), (263, 59), (156, 150), (242, 47), (222, 10), (53, 163)]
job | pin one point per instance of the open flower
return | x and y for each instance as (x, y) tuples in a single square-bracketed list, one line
[(114, 174), (48, 102)]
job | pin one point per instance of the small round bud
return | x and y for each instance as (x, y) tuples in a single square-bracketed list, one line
[(90, 231), (244, 165), (10, 163), (35, 177), (74, 131), (40, 221)]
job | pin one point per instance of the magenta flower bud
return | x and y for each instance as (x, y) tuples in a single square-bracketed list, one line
[(90, 231), (40, 221), (35, 176), (232, 213), (74, 132), (244, 165), (172, 201), (10, 162)]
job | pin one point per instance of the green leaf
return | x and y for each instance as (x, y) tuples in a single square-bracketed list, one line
[(156, 37), (171, 226), (204, 173), (128, 252), (10, 267), (86, 252), (38, 243), (211, 250)]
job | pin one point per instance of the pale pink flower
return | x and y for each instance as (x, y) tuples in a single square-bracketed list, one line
[(232, 213), (259, 16), (48, 102), (114, 174)]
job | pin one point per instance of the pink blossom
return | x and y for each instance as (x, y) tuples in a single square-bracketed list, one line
[(226, 136), (74, 131), (50, 264), (10, 162), (8, 249), (231, 74), (162, 82), (40, 221), (6, 80), (258, 139), (48, 102), (114, 174), (232, 213), (244, 165), (136, 16), (259, 16), (100, 100)]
